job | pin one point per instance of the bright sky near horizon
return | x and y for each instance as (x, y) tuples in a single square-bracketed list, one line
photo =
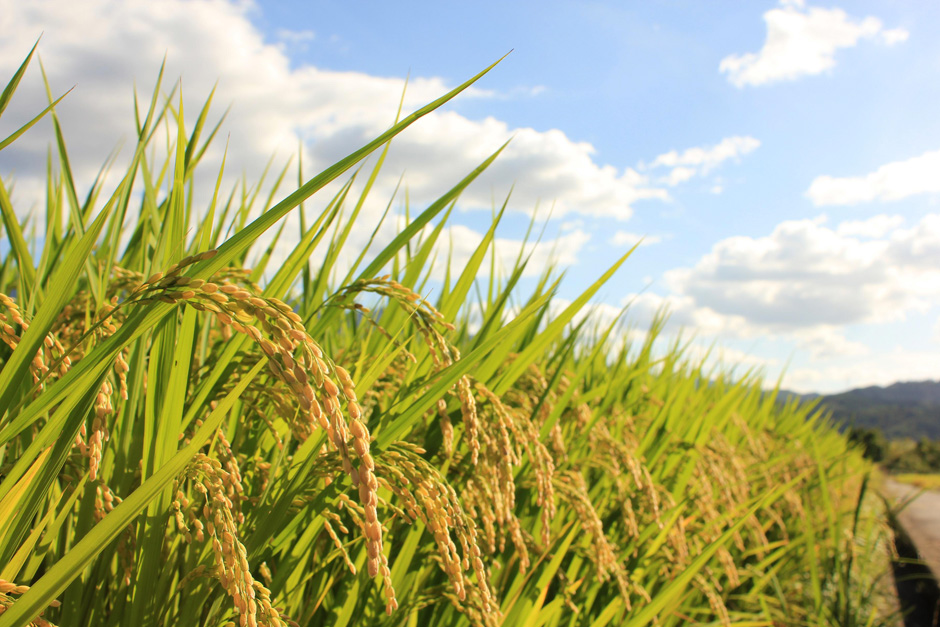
[(781, 159)]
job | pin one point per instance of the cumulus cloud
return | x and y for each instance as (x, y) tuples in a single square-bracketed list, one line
[(700, 160), (685, 313), (916, 249), (829, 360), (678, 175), (106, 46), (805, 274), (708, 157), (893, 181), (298, 38), (894, 36), (881, 369), (545, 166), (722, 357), (459, 242), (803, 42), (808, 287), (808, 278), (875, 227), (826, 342), (806, 283), (704, 332), (600, 317)]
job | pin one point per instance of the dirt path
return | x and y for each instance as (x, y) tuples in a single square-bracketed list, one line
[(921, 521)]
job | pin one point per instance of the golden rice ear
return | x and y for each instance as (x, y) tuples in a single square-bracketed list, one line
[(429, 498), (51, 353), (221, 517)]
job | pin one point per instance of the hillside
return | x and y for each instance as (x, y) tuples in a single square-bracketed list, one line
[(909, 409)]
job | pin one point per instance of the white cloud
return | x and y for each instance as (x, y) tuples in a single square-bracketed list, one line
[(875, 227), (678, 175), (917, 248), (722, 358), (805, 275), (893, 181), (881, 369), (626, 238), (700, 160), (806, 283), (708, 157), (295, 37), (105, 46), (894, 36), (826, 342), (702, 330), (684, 313), (803, 42), (829, 360), (459, 242), (542, 166), (563, 251), (601, 315)]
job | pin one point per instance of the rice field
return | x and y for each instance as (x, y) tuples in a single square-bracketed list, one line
[(190, 439)]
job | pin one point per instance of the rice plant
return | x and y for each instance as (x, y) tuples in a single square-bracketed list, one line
[(187, 439)]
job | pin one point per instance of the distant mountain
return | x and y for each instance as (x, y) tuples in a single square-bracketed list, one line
[(901, 410)]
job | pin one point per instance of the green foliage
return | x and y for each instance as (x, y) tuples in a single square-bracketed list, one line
[(185, 440), (907, 456), (873, 443)]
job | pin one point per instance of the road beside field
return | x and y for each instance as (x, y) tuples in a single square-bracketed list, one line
[(921, 521), (918, 537)]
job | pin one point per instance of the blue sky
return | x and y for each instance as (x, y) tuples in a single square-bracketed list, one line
[(782, 159)]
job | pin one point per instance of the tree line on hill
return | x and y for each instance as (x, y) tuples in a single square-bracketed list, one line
[(902, 410), (898, 426)]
